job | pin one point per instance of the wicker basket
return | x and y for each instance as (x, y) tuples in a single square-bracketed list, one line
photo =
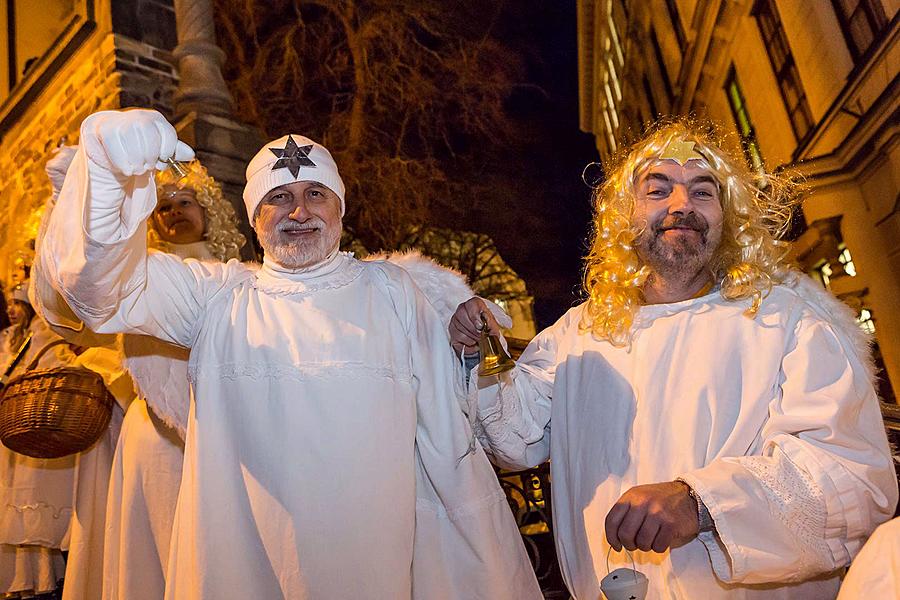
[(54, 413)]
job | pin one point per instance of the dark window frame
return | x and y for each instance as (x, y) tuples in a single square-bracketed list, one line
[(25, 87), (749, 141), (784, 67), (873, 12)]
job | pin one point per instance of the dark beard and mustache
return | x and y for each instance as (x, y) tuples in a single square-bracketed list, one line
[(681, 257)]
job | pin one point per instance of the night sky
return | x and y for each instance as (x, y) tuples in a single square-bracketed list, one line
[(540, 215), (526, 194)]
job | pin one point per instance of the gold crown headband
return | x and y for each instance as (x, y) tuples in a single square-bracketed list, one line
[(681, 151)]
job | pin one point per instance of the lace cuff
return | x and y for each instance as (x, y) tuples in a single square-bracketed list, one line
[(794, 505)]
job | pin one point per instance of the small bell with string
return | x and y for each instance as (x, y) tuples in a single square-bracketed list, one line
[(624, 583)]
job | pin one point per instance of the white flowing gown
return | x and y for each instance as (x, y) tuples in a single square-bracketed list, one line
[(36, 494), (327, 455), (773, 421)]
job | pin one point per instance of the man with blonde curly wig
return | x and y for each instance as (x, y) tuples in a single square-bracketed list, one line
[(706, 408)]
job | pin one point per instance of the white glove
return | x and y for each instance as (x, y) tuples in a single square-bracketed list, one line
[(123, 148), (132, 142)]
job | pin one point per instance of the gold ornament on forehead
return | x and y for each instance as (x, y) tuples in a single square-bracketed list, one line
[(681, 151)]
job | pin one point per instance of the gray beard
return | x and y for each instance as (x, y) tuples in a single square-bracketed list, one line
[(296, 256)]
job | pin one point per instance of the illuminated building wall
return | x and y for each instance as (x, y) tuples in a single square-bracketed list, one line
[(812, 86), (81, 56)]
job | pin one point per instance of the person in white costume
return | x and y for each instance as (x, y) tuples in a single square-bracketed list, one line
[(327, 454), (130, 537), (36, 495), (48, 502), (707, 408), (84, 538), (875, 572)]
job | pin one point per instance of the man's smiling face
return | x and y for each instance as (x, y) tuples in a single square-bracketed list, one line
[(299, 224), (679, 209)]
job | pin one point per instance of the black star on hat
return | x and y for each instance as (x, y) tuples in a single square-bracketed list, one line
[(292, 157)]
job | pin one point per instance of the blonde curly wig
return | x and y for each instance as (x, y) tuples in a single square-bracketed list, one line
[(221, 236), (750, 259)]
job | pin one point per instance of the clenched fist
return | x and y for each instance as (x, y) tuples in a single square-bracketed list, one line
[(653, 517), (131, 142), (465, 325)]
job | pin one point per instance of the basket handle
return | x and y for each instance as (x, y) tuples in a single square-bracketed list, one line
[(20, 354), (34, 363)]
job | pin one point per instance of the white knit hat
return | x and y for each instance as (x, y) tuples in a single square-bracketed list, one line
[(288, 159)]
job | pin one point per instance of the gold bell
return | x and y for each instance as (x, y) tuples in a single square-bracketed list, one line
[(178, 167), (494, 359)]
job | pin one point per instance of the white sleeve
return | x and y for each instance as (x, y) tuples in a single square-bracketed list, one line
[(94, 253), (513, 422), (467, 543), (824, 479)]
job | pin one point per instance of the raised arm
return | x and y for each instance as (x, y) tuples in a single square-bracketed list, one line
[(94, 250), (513, 409)]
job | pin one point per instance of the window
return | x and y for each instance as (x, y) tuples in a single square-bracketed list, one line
[(861, 21), (672, 6), (40, 37), (826, 271), (846, 260), (865, 321), (775, 41), (31, 29), (742, 120), (823, 272)]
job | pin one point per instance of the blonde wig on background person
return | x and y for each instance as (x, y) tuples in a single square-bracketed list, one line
[(750, 259), (221, 236)]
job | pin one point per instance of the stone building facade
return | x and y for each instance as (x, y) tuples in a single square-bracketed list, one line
[(90, 67), (811, 86), (110, 54), (65, 59)]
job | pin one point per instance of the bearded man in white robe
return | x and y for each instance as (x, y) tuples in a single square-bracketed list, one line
[(326, 453), (707, 408)]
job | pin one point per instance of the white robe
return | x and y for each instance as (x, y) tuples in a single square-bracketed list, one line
[(36, 494), (68, 494), (773, 421), (127, 484), (92, 468), (146, 472), (326, 452)]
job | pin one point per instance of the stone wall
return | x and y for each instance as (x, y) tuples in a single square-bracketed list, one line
[(148, 77), (109, 71), (87, 83)]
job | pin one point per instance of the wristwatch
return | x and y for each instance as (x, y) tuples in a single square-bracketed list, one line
[(704, 519)]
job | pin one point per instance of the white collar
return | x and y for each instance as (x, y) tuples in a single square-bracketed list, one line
[(336, 270)]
